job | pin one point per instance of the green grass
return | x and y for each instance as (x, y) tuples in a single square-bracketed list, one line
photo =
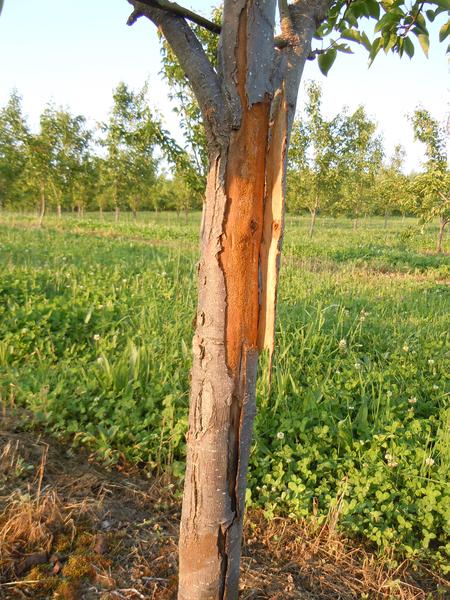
[(95, 333)]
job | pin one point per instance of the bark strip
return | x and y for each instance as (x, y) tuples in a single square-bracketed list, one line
[(274, 207)]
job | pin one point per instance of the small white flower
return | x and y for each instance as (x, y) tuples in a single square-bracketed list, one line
[(96, 337), (100, 306), (351, 408), (430, 362), (405, 348), (388, 456), (412, 400), (100, 360), (124, 280), (358, 365), (280, 435), (435, 387), (389, 394), (343, 345), (429, 461), (392, 464)]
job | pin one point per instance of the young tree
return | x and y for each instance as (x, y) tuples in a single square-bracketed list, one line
[(131, 137), (313, 168), (55, 156), (13, 136), (361, 156), (247, 105), (391, 190), (432, 187)]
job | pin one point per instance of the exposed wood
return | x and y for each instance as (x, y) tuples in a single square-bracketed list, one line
[(245, 179), (274, 207)]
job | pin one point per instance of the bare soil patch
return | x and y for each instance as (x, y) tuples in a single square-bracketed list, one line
[(71, 529)]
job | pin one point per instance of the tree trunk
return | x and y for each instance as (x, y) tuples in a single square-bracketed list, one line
[(241, 242), (385, 219), (41, 207), (100, 210), (313, 218), (442, 225), (58, 210), (248, 107), (355, 223), (116, 214)]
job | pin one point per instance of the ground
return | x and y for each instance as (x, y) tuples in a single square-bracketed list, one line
[(352, 435), (71, 529)]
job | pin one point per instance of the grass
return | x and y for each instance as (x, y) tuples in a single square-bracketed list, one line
[(95, 332)]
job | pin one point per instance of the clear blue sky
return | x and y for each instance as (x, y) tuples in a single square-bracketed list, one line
[(75, 52)]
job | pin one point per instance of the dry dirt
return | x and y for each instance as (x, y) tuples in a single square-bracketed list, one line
[(71, 529)]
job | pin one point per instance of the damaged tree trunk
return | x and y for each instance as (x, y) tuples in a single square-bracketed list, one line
[(248, 105)]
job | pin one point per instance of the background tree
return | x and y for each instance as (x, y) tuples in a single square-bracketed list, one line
[(135, 143), (391, 190), (247, 105), (360, 159), (13, 136), (39, 173), (313, 169), (432, 187), (130, 138)]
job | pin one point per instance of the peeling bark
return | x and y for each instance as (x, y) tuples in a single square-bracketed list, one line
[(274, 208)]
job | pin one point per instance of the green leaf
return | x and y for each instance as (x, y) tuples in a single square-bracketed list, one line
[(366, 42), (424, 41), (444, 31), (387, 21), (430, 15), (343, 48), (376, 47), (326, 60), (374, 8), (351, 34), (409, 47)]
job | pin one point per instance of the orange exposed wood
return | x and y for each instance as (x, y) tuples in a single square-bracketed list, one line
[(273, 224), (241, 240)]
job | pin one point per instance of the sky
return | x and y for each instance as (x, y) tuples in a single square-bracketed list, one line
[(74, 52)]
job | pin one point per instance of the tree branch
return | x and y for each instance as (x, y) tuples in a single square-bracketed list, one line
[(193, 60), (305, 16), (175, 9)]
